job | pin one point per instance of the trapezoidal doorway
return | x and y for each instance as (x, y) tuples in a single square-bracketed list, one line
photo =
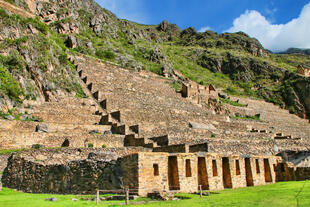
[(268, 177), (202, 174), (173, 173), (66, 143), (226, 173), (248, 172)]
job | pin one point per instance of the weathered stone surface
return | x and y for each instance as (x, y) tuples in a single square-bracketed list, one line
[(9, 117), (71, 42), (195, 125), (42, 128), (70, 171), (164, 196), (145, 171)]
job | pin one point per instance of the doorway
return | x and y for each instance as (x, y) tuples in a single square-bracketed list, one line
[(226, 173), (173, 173), (268, 177), (202, 174), (248, 172)]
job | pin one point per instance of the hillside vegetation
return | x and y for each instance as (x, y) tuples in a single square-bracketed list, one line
[(34, 52)]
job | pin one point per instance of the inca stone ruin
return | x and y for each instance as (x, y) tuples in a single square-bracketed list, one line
[(155, 140)]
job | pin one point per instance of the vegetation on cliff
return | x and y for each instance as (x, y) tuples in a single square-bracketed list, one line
[(234, 62)]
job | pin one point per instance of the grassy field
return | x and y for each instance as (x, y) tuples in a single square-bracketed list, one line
[(286, 194)]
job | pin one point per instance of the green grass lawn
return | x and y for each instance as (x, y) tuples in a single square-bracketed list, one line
[(280, 194)]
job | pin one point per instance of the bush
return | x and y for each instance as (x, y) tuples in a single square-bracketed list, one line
[(37, 24), (3, 13), (36, 146), (105, 54), (231, 90), (256, 117), (104, 146), (233, 103), (90, 145), (63, 59), (14, 62), (9, 86)]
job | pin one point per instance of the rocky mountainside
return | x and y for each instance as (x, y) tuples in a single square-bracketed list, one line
[(297, 50), (34, 63)]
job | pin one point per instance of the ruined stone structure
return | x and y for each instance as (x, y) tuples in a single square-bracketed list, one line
[(288, 172), (198, 93), (82, 171), (164, 150), (303, 71)]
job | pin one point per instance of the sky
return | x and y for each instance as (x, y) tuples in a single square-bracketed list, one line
[(277, 24)]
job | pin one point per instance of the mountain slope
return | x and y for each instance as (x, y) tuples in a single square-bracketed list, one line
[(234, 62)]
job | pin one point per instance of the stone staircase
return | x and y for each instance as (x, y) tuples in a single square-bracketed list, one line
[(113, 118)]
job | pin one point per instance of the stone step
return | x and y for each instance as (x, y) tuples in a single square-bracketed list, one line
[(18, 140), (68, 118), (21, 126)]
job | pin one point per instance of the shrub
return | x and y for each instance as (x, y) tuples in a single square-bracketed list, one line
[(9, 86), (36, 146), (90, 145), (14, 62), (63, 59), (3, 13), (246, 117), (231, 90), (37, 24), (233, 103), (105, 54), (104, 146)]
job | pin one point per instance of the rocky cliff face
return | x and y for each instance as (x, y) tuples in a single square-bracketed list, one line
[(83, 27)]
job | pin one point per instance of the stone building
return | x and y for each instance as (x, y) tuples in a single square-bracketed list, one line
[(85, 171), (198, 93), (303, 71)]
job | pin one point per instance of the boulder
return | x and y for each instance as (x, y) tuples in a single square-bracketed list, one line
[(42, 128), (71, 42), (9, 117), (195, 125), (94, 132), (25, 117), (164, 196), (221, 95), (51, 199)]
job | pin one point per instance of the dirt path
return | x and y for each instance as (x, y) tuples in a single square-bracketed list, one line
[(16, 9)]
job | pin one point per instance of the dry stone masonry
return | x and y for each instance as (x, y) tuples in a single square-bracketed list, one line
[(82, 171), (156, 140)]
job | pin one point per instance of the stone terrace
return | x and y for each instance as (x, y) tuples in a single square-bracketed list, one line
[(275, 119), (69, 119), (147, 100)]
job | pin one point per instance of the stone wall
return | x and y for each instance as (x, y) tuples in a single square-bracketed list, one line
[(181, 148), (158, 171), (83, 171), (71, 171), (3, 162), (287, 172)]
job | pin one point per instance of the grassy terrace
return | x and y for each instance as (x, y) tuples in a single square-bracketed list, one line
[(284, 194)]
